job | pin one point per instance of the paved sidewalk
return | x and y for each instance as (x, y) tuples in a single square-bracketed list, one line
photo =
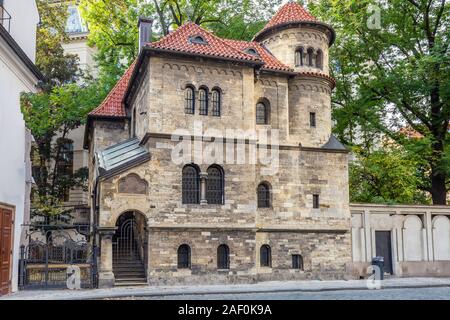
[(272, 286)]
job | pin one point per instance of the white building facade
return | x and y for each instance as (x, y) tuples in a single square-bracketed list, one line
[(18, 23)]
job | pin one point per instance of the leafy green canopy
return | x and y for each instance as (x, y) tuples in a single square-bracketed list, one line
[(394, 74)]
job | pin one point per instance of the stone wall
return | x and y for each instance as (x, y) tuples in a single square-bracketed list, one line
[(420, 237)]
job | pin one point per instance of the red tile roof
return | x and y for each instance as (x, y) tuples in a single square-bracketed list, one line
[(290, 12), (112, 105), (270, 62), (179, 41)]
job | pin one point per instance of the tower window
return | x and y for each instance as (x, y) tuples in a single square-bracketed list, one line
[(319, 59), (216, 102), (299, 56), (311, 57), (215, 185), (312, 119), (190, 185), (316, 203), (263, 195)]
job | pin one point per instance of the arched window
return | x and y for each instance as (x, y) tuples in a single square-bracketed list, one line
[(64, 164), (184, 257), (265, 256), (216, 102), (203, 99), (311, 57), (262, 113), (190, 185), (214, 185), (198, 39), (297, 262), (189, 100), (299, 56), (263, 195), (319, 59), (223, 257)]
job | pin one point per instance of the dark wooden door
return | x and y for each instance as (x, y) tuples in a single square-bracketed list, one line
[(384, 248), (6, 220)]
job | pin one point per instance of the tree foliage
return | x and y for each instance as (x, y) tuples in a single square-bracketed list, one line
[(393, 76)]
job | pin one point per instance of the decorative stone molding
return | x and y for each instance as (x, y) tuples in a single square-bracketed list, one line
[(132, 184)]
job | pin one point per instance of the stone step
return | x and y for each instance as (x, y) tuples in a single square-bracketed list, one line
[(131, 284)]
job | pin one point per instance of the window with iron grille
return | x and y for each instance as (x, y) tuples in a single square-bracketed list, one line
[(316, 203), (223, 257), (265, 256), (262, 116), (214, 185), (191, 185), (189, 101), (184, 257), (263, 195), (297, 262), (299, 57), (203, 99), (312, 119), (216, 102)]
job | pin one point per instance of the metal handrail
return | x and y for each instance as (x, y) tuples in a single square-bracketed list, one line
[(5, 18)]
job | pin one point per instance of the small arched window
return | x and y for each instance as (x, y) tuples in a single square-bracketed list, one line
[(262, 113), (251, 51), (189, 100), (184, 257), (263, 195), (319, 59), (190, 185), (203, 99), (198, 39), (299, 56), (214, 185), (311, 57), (216, 101), (265, 255), (223, 257)]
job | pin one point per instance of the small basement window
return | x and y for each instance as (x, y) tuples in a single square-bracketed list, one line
[(297, 262)]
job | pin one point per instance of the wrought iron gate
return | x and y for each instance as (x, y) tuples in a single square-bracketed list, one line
[(45, 265), (127, 242)]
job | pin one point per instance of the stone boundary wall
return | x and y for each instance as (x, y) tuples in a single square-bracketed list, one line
[(419, 238)]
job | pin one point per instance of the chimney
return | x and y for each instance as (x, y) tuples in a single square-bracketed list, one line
[(145, 31)]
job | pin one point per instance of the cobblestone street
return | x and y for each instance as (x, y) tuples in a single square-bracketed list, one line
[(384, 294)]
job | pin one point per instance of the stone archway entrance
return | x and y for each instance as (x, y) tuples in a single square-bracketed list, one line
[(130, 250)]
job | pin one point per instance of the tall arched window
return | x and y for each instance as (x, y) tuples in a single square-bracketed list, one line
[(311, 57), (189, 100), (265, 256), (184, 257), (64, 164), (223, 257), (191, 185), (263, 195), (319, 59), (203, 99), (299, 56), (262, 113), (214, 185), (216, 101)]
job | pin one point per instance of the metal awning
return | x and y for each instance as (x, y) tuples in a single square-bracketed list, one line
[(121, 156)]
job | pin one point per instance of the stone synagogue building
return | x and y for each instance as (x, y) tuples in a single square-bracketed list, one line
[(204, 220)]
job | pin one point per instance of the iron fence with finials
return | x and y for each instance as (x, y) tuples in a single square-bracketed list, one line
[(58, 253)]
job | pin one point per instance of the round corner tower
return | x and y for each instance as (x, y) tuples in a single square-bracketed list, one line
[(300, 41)]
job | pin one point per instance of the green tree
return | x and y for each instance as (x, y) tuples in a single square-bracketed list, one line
[(61, 106), (394, 76), (387, 175)]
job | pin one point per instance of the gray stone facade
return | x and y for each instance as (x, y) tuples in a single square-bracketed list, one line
[(290, 226)]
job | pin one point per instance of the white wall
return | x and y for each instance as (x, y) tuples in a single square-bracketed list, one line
[(15, 78), (24, 20)]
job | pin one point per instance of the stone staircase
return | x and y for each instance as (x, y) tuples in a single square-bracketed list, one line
[(128, 268)]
